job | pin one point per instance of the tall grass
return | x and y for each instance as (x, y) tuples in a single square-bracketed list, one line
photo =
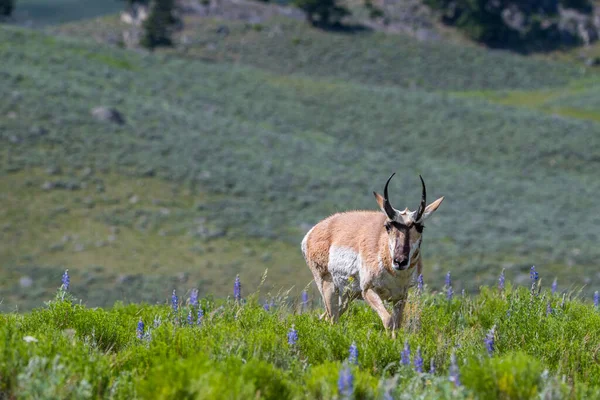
[(502, 343)]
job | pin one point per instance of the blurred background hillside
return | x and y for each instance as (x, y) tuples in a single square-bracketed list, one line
[(157, 145)]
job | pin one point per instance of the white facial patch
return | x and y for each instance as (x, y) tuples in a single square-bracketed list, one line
[(414, 247)]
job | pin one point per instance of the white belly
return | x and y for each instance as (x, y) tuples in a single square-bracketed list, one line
[(344, 266)]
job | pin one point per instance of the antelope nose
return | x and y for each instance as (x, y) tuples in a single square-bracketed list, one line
[(400, 262)]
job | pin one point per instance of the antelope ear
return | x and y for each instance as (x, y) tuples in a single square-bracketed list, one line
[(380, 201), (430, 209)]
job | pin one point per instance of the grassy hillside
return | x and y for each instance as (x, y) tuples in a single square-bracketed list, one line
[(219, 169), (40, 13), (508, 344), (286, 46)]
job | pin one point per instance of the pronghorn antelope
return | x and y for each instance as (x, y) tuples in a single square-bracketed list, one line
[(370, 255)]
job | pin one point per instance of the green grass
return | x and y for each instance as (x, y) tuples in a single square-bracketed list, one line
[(241, 350), (259, 157)]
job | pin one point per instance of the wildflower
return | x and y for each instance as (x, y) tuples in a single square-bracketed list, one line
[(346, 382), (200, 316), (501, 281), (194, 298), (237, 289), (533, 274), (292, 336), (405, 354), (157, 321), (454, 373), (418, 361), (353, 358), (489, 341), (548, 308), (554, 285), (431, 366), (66, 281), (449, 293), (596, 299), (174, 301), (140, 329), (189, 317), (420, 283), (266, 306), (304, 299)]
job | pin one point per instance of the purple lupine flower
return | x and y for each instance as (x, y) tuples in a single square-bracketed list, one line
[(194, 298), (189, 318), (501, 281), (292, 336), (418, 361), (489, 341), (266, 306), (200, 316), (66, 281), (534, 275), (449, 293), (174, 301), (554, 286), (431, 366), (548, 308), (304, 300), (454, 372), (448, 280), (420, 283), (353, 358), (140, 329), (596, 299), (346, 383), (405, 354), (237, 289)]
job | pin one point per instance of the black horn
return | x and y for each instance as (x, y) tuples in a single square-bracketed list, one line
[(389, 210), (421, 209)]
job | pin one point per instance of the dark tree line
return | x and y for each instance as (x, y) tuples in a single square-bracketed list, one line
[(506, 22)]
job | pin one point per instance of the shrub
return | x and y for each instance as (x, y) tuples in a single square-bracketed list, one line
[(158, 26), (585, 6), (6, 7), (323, 13)]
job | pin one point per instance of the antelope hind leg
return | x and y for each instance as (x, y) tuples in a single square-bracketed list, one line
[(331, 297)]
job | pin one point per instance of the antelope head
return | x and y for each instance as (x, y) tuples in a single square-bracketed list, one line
[(405, 228)]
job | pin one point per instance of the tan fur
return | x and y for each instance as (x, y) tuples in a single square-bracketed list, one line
[(363, 233)]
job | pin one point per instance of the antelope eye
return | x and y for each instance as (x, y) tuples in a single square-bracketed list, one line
[(387, 226)]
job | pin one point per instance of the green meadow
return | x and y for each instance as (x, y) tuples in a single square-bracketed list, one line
[(503, 343), (232, 145), (220, 168)]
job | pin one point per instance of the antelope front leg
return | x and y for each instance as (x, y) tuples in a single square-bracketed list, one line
[(376, 304)]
